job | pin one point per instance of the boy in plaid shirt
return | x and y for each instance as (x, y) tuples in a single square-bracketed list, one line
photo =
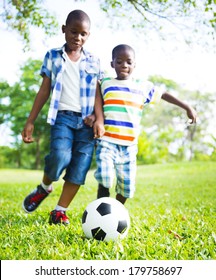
[(71, 74)]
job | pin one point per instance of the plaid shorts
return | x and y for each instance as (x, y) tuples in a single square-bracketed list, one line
[(116, 161)]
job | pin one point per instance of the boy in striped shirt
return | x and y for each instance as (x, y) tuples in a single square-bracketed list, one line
[(124, 99)]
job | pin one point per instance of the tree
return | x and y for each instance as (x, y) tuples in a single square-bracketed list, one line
[(21, 15), (165, 15), (20, 99), (165, 124), (3, 101), (185, 17)]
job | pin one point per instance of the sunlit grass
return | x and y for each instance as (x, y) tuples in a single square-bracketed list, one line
[(173, 217)]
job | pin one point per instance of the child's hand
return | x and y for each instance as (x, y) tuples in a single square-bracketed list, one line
[(98, 129), (89, 120), (27, 133), (192, 115)]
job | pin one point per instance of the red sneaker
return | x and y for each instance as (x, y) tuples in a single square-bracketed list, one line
[(58, 217), (34, 199)]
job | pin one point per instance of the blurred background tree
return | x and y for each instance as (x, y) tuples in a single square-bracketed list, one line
[(21, 15), (15, 104), (193, 19), (165, 135)]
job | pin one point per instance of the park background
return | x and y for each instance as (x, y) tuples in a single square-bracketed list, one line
[(173, 211), (176, 56)]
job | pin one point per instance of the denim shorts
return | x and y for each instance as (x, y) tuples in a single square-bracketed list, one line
[(116, 163), (71, 148)]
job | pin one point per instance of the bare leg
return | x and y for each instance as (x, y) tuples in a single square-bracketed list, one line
[(121, 198), (68, 193), (46, 180)]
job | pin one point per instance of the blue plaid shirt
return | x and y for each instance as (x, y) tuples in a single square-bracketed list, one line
[(90, 71)]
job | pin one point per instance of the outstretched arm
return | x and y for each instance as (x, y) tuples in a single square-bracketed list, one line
[(191, 113)]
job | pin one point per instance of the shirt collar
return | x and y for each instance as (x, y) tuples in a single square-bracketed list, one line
[(62, 49)]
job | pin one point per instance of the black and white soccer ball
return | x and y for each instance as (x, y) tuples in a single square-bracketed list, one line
[(105, 219)]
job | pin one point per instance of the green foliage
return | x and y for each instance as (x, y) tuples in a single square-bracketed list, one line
[(169, 84), (145, 149), (163, 125), (172, 218), (158, 15), (20, 99), (7, 156), (3, 101), (166, 125), (198, 17), (209, 145), (156, 149), (22, 15)]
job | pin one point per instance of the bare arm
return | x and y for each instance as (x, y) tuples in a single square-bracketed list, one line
[(191, 113), (40, 99), (99, 123)]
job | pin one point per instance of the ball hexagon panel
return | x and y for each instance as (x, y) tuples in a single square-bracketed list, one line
[(122, 226), (98, 233), (104, 209)]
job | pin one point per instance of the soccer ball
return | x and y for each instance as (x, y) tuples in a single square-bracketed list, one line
[(105, 219)]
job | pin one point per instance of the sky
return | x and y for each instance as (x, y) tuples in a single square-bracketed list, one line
[(191, 67)]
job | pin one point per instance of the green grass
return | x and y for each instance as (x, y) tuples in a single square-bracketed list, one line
[(173, 217)]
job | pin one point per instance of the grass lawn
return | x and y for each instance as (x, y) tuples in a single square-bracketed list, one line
[(173, 217)]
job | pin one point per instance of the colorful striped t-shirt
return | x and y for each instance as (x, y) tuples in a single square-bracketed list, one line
[(123, 105)]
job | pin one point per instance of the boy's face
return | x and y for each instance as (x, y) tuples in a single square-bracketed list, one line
[(124, 64), (76, 34)]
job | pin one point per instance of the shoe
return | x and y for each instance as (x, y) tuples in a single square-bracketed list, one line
[(33, 200), (58, 217)]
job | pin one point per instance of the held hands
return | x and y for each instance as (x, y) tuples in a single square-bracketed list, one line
[(97, 125), (99, 129), (27, 133), (89, 120)]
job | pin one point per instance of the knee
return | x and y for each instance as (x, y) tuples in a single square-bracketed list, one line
[(59, 157)]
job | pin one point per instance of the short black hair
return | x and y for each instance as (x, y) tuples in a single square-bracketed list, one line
[(121, 47), (78, 15)]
